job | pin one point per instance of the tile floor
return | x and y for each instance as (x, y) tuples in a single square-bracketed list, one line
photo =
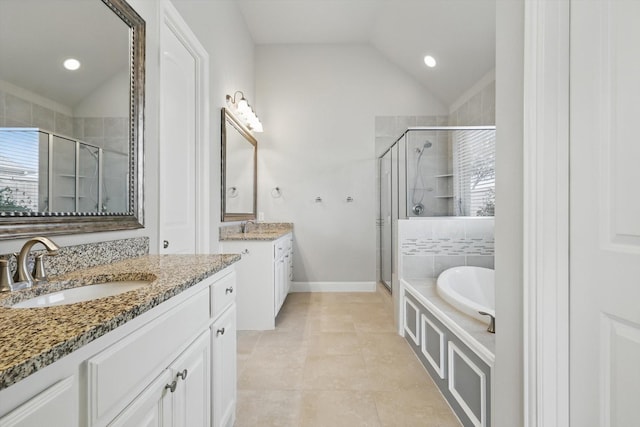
[(335, 360)]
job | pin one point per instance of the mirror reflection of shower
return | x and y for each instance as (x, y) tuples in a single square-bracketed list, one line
[(419, 189)]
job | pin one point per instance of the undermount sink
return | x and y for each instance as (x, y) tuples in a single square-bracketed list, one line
[(82, 293)]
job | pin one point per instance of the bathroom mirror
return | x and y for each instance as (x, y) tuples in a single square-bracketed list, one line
[(70, 134), (239, 181)]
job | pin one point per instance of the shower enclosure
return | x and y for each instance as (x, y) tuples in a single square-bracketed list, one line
[(434, 172)]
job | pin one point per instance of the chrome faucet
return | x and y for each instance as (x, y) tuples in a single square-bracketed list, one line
[(244, 225), (23, 276)]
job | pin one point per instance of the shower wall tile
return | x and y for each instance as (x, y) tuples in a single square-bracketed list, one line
[(93, 127), (2, 105), (17, 109), (478, 110), (63, 124), (42, 117)]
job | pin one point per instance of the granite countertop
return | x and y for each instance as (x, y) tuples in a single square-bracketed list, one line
[(32, 338), (259, 231)]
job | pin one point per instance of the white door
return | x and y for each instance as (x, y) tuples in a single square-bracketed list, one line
[(224, 348), (183, 111), (152, 408), (605, 213)]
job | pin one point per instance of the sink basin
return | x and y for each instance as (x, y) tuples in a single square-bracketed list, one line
[(82, 293)]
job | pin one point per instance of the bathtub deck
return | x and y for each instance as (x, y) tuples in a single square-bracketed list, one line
[(470, 330)]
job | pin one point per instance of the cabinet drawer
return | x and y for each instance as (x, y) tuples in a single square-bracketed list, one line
[(223, 293), (123, 370)]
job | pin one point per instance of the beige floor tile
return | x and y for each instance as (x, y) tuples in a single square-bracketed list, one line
[(384, 344), (420, 406), (334, 343), (392, 372), (331, 323), (273, 408), (335, 360), (338, 409), (274, 374), (247, 341), (374, 325), (341, 372)]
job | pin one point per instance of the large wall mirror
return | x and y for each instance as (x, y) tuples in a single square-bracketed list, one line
[(239, 180), (70, 132)]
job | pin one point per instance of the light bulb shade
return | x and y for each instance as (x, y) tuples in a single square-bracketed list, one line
[(257, 127), (243, 106)]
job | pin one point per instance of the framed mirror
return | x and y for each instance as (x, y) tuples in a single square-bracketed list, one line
[(239, 177), (71, 117)]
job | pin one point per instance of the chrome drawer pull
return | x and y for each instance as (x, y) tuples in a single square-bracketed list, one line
[(182, 374), (229, 290), (220, 332), (172, 386)]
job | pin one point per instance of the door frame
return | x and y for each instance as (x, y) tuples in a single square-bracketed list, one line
[(546, 213), (171, 20)]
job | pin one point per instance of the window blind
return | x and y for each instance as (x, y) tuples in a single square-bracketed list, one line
[(474, 172)]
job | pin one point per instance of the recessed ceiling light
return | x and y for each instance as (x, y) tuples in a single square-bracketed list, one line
[(71, 64), (430, 61)]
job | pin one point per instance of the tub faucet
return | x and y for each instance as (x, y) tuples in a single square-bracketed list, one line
[(244, 226), (492, 322), (23, 276)]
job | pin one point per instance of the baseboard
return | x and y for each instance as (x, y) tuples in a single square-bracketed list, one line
[(333, 286)]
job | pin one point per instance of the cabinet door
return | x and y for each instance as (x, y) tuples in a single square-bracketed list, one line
[(55, 406), (191, 396), (223, 335), (152, 407)]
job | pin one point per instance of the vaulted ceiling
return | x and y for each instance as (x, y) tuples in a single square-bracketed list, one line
[(459, 34)]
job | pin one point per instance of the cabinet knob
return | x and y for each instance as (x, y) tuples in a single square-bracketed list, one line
[(245, 252), (182, 374), (165, 244), (229, 290), (172, 386), (220, 332)]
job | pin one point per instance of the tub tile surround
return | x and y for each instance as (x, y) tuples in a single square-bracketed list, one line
[(431, 245), (36, 337), (257, 231)]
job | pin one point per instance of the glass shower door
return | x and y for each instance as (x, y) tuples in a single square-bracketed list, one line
[(385, 220)]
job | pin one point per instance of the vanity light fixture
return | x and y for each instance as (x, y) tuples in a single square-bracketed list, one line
[(71, 64), (429, 61), (243, 111)]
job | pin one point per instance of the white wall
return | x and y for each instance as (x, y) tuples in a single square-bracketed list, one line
[(318, 104), (221, 29), (508, 375)]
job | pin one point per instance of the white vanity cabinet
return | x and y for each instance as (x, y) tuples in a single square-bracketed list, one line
[(167, 367), (58, 402), (178, 396), (264, 278)]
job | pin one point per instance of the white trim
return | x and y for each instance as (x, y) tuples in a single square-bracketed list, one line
[(438, 367), (174, 22), (546, 213), (333, 286), (482, 421), (414, 337)]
